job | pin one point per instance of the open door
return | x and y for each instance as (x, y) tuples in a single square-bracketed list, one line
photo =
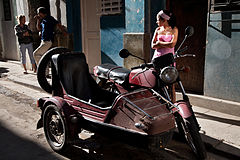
[(91, 45)]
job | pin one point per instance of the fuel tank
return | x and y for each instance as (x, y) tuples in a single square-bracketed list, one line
[(142, 78)]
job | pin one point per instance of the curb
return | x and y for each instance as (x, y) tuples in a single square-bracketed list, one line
[(25, 82), (220, 105)]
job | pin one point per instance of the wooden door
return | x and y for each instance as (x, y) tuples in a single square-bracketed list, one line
[(91, 32)]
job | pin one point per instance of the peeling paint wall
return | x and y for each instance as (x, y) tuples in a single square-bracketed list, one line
[(222, 74), (135, 15)]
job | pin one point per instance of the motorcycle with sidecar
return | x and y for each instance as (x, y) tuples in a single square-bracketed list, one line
[(121, 110)]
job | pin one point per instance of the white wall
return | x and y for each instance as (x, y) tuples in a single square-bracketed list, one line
[(54, 11), (8, 35)]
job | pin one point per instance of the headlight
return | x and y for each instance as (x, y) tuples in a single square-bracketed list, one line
[(169, 75)]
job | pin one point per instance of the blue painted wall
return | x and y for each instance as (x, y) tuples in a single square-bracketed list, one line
[(113, 28), (135, 18), (222, 74), (74, 23)]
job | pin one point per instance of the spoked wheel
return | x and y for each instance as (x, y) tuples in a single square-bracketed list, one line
[(189, 129), (55, 128), (44, 68)]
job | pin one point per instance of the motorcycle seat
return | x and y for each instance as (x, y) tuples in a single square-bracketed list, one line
[(112, 72)]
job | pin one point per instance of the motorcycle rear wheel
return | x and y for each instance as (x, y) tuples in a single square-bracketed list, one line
[(189, 129)]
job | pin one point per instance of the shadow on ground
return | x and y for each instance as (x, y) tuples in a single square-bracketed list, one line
[(3, 70), (15, 147)]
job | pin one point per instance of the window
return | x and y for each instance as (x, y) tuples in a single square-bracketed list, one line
[(7, 10), (225, 5), (110, 7)]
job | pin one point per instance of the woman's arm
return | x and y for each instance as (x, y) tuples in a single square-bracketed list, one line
[(171, 44), (154, 39), (18, 32)]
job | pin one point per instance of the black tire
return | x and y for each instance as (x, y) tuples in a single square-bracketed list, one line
[(55, 128), (42, 66), (191, 132)]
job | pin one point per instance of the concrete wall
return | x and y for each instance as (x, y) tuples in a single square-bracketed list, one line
[(8, 34), (222, 74), (58, 11)]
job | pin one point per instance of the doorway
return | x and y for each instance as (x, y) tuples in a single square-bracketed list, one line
[(90, 20)]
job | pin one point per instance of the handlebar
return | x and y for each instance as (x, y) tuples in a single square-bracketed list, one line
[(148, 65)]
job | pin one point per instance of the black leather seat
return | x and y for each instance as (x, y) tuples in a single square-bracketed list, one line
[(75, 78), (113, 72)]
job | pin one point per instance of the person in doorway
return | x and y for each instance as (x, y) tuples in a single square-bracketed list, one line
[(25, 41), (166, 34), (165, 38), (46, 25)]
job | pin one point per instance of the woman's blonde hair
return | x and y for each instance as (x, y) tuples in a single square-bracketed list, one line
[(19, 17)]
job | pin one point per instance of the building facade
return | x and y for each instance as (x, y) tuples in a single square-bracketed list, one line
[(100, 28)]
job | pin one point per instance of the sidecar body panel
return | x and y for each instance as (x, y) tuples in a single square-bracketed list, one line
[(141, 111)]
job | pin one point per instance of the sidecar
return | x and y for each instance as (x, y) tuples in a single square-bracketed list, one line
[(78, 103)]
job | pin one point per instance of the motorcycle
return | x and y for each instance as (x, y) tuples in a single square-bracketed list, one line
[(137, 117), (158, 77)]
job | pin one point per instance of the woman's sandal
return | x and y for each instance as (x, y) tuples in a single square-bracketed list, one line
[(25, 72)]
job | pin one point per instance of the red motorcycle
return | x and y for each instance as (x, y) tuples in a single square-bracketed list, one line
[(130, 107), (158, 77)]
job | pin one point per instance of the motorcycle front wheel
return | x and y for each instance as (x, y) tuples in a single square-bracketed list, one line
[(189, 129)]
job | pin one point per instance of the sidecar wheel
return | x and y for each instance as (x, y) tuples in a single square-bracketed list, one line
[(55, 129), (193, 137), (42, 67)]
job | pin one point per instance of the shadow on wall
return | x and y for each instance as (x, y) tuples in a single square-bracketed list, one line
[(106, 59)]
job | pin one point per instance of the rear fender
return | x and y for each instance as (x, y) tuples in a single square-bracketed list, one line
[(67, 110), (184, 108)]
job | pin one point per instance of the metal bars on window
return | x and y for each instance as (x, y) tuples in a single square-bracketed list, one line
[(111, 7), (217, 6)]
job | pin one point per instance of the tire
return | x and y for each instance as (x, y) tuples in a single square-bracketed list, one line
[(42, 66), (192, 136), (55, 129)]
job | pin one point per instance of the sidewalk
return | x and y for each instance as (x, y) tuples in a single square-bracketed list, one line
[(220, 127)]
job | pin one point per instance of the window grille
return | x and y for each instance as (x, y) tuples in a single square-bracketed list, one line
[(224, 5), (110, 7)]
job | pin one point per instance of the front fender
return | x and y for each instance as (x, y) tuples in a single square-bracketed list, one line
[(184, 108)]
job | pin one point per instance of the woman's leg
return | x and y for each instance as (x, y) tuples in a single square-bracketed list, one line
[(22, 48)]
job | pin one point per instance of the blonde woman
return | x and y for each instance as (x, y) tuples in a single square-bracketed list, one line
[(25, 40)]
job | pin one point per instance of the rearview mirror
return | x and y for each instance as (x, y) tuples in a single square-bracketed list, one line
[(189, 31), (124, 53)]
